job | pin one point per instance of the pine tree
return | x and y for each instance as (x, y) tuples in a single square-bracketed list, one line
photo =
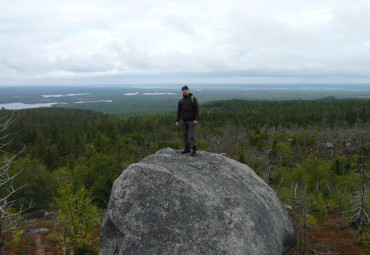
[(78, 216)]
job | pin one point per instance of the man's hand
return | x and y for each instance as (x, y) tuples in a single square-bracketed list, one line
[(195, 122), (177, 123)]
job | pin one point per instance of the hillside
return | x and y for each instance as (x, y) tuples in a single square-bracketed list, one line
[(311, 152)]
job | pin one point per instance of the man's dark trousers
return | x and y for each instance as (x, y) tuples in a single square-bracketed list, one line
[(188, 132)]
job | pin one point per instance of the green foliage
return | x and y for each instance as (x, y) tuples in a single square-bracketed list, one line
[(96, 174), (12, 243), (77, 214), (311, 221), (41, 186), (242, 158), (288, 113), (341, 165), (284, 137)]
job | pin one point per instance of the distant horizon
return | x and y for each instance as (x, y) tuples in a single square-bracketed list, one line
[(144, 98), (207, 85)]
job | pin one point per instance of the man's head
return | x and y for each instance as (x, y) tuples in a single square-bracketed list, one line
[(185, 90)]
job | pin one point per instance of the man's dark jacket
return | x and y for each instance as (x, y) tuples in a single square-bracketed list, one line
[(188, 108)]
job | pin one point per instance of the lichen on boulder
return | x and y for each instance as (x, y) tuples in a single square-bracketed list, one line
[(171, 203)]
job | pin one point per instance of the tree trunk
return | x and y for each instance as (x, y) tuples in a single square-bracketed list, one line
[(1, 236), (362, 214)]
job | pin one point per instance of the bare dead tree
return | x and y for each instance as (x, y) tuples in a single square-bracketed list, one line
[(10, 208), (270, 168), (363, 217), (358, 213), (300, 204)]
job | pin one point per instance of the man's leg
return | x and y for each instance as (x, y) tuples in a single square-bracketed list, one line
[(192, 138), (185, 135)]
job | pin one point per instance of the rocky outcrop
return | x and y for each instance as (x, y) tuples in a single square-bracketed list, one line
[(35, 231), (170, 203)]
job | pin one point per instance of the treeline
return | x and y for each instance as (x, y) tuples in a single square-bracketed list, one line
[(300, 113), (310, 151)]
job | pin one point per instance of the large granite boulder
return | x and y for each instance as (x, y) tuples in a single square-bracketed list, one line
[(170, 203)]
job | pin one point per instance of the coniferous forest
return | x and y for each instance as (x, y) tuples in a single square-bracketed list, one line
[(313, 153)]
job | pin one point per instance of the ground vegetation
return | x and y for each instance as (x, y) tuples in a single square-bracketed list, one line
[(313, 153)]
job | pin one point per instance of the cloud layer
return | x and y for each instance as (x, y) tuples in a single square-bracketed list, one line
[(115, 41)]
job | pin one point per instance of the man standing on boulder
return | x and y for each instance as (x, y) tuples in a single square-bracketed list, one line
[(188, 114)]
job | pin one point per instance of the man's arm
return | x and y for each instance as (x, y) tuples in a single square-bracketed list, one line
[(196, 109), (179, 107)]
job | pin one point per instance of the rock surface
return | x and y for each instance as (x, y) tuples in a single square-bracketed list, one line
[(170, 203), (329, 145), (35, 232)]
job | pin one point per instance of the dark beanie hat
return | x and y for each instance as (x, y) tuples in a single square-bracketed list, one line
[(185, 87)]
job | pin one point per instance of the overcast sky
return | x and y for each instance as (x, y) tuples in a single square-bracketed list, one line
[(190, 41)]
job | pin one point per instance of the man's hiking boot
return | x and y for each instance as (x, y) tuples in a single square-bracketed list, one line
[(194, 153), (186, 150)]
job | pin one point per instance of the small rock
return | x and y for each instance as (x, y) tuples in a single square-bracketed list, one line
[(35, 232), (50, 215), (338, 227), (288, 207), (329, 145), (35, 215)]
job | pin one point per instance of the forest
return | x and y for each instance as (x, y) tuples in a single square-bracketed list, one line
[(313, 153)]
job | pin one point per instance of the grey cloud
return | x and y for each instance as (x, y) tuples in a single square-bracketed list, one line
[(127, 56), (153, 39), (81, 63), (179, 24)]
